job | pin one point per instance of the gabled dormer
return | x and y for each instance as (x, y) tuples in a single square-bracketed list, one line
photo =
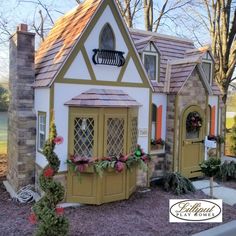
[(150, 56), (151, 61), (207, 61)]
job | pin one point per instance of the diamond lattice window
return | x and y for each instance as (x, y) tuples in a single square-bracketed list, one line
[(84, 136), (115, 136), (134, 133)]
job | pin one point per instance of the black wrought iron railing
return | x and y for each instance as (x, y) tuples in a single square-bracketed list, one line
[(108, 57)]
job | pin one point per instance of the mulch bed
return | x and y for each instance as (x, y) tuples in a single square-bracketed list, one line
[(3, 165), (143, 214)]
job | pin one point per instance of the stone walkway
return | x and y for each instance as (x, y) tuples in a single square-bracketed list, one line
[(228, 195), (228, 229)]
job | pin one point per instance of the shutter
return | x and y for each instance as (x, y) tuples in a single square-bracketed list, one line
[(213, 120), (159, 122)]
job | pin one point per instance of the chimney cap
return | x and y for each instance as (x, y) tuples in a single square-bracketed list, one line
[(22, 27)]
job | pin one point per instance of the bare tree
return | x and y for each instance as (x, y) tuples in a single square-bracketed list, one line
[(222, 21), (219, 19), (129, 9)]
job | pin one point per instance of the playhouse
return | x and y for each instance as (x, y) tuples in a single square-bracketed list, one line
[(109, 89)]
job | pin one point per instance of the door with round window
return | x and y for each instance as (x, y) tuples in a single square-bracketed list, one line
[(192, 141)]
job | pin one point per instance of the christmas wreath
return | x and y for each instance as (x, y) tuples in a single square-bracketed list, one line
[(193, 122)]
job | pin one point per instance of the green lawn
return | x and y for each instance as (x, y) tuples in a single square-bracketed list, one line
[(229, 124), (3, 132)]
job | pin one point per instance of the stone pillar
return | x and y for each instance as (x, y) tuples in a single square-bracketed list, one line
[(22, 118)]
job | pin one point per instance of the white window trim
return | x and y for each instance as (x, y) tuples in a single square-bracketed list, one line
[(157, 62), (41, 114), (210, 62)]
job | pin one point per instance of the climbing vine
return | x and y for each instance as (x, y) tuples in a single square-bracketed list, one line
[(49, 217)]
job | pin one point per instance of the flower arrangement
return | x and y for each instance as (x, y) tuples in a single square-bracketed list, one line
[(45, 213), (157, 144), (118, 163), (193, 122)]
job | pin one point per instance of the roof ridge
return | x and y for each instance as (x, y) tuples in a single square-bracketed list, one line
[(165, 36)]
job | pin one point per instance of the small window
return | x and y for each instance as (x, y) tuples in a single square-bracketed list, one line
[(41, 130), (207, 67), (107, 38), (150, 64)]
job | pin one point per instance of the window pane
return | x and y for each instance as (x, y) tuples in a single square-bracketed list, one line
[(207, 69), (84, 136), (41, 131), (41, 140), (150, 64), (107, 40)]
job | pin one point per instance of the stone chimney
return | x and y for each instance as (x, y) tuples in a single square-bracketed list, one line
[(22, 119)]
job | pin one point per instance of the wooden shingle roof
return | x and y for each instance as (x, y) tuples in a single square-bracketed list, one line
[(103, 98), (53, 52)]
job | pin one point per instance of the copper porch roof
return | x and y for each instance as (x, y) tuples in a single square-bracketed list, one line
[(103, 98), (53, 52)]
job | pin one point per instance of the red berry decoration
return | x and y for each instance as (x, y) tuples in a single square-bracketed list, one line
[(58, 140), (60, 210), (48, 172), (32, 218)]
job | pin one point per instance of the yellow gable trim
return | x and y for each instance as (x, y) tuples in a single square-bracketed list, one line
[(80, 46)]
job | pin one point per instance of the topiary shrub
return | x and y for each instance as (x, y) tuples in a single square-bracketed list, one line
[(49, 217), (177, 183), (211, 168)]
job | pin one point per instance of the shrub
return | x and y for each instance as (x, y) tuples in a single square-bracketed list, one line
[(228, 170), (177, 183)]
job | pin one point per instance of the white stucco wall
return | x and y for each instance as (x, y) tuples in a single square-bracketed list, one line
[(161, 99), (213, 101), (61, 112), (92, 42), (42, 100)]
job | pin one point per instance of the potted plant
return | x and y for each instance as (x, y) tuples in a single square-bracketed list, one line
[(157, 144), (211, 168)]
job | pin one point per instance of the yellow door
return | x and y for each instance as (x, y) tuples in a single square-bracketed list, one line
[(192, 141)]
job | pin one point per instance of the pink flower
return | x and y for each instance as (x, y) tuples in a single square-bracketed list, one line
[(32, 218), (58, 140), (81, 167), (48, 172), (119, 166), (59, 210)]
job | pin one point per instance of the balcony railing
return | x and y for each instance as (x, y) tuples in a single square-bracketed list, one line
[(108, 57)]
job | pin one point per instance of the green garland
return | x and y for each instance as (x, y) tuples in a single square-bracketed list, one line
[(80, 164), (50, 218)]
